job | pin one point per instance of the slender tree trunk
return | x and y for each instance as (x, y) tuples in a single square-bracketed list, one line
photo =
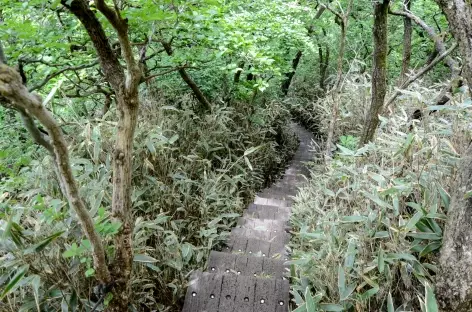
[(336, 92), (379, 74), (324, 63), (188, 80), (125, 85), (407, 32), (288, 81), (454, 281)]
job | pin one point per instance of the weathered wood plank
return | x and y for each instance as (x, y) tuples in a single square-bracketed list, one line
[(282, 295), (273, 267), (265, 299), (254, 266), (245, 291), (257, 247), (221, 262), (240, 265), (228, 293), (203, 294), (237, 243)]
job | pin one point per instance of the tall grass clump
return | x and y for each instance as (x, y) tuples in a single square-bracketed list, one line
[(369, 225)]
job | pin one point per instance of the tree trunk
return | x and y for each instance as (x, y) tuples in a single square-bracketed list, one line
[(407, 32), (379, 80), (324, 62), (288, 81), (125, 86), (188, 80), (336, 92), (454, 281)]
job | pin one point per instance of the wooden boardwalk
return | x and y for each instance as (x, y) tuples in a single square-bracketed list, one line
[(249, 275)]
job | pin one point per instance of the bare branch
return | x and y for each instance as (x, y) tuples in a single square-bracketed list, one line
[(438, 42), (59, 72), (12, 88), (164, 73), (419, 74)]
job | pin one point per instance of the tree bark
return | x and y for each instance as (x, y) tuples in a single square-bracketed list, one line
[(379, 74), (335, 93), (289, 76), (12, 88), (437, 39), (125, 86), (454, 281), (407, 33), (188, 80)]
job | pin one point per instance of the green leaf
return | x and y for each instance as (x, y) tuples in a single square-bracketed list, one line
[(390, 306), (351, 219), (341, 280), (14, 281), (144, 258), (251, 150), (301, 308), (430, 248), (422, 235), (348, 291), (90, 272), (41, 245), (412, 222), (310, 303), (381, 261), (331, 307), (430, 299), (401, 256)]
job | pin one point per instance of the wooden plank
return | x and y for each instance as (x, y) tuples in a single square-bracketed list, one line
[(254, 265), (193, 298), (265, 299), (273, 267), (203, 293), (240, 265), (212, 293), (282, 295), (221, 262), (237, 243), (257, 247), (228, 293), (250, 233), (277, 248), (245, 291)]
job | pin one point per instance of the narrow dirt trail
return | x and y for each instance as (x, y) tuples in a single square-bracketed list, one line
[(249, 275)]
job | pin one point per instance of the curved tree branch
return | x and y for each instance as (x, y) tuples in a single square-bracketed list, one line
[(12, 88)]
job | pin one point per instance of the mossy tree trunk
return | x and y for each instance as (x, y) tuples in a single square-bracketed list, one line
[(379, 72)]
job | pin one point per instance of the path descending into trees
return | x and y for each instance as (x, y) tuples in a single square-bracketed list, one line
[(249, 275)]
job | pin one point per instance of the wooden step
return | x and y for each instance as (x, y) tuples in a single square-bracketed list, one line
[(256, 247), (209, 292), (263, 224), (267, 235), (268, 212), (272, 202), (228, 263)]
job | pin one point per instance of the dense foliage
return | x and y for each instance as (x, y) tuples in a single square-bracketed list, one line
[(217, 83)]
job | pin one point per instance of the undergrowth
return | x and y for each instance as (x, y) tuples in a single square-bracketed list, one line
[(193, 175), (369, 225)]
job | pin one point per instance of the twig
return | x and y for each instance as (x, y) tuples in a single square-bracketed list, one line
[(57, 73), (419, 74)]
